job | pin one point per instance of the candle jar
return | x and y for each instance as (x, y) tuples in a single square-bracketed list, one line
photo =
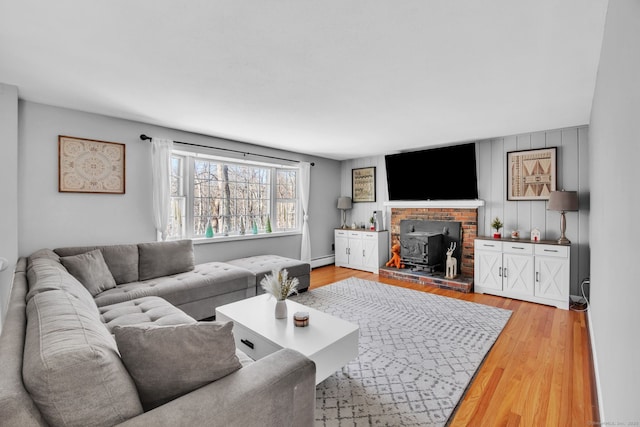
[(301, 318)]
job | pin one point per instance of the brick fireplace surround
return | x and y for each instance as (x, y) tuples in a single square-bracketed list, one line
[(469, 219)]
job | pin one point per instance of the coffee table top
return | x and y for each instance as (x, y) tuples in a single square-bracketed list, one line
[(258, 314)]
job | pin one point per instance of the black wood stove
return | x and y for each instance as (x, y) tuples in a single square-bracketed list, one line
[(423, 244)]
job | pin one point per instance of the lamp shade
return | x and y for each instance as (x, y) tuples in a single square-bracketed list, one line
[(563, 201), (344, 202)]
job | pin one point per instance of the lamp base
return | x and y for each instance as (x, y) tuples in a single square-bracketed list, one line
[(563, 227), (344, 219)]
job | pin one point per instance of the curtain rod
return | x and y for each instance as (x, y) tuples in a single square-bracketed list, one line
[(148, 138)]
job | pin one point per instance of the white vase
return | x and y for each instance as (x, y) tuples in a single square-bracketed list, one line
[(281, 309)]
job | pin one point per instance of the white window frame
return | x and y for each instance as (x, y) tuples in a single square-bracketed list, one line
[(188, 161)]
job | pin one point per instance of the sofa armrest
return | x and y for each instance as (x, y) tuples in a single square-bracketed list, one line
[(278, 390)]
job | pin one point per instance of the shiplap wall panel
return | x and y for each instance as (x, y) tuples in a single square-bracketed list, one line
[(583, 214), (495, 202), (483, 156), (569, 181), (510, 215), (550, 229), (538, 217), (362, 211), (524, 207)]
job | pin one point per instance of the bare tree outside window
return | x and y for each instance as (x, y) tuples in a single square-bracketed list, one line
[(231, 197)]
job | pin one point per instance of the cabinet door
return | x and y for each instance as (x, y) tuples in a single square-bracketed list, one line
[(370, 259), (342, 249), (488, 269), (552, 278), (517, 274), (356, 259)]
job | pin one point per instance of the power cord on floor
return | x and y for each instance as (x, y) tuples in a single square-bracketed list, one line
[(577, 306)]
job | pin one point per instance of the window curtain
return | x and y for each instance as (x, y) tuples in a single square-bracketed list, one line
[(161, 182), (305, 181)]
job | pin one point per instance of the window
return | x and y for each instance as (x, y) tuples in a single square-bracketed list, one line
[(213, 196)]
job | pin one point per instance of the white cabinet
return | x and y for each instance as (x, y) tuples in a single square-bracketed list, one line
[(537, 272), (361, 249)]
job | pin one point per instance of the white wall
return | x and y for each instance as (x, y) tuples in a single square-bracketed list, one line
[(615, 199), (49, 219), (573, 174), (8, 189)]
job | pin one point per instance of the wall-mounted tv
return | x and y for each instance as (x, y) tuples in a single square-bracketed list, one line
[(445, 173)]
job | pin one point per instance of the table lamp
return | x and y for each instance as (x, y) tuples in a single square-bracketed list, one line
[(344, 203), (563, 201)]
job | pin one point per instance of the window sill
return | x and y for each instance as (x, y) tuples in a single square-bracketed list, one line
[(234, 238)]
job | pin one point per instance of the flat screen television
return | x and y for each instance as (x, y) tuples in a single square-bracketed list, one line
[(445, 173)]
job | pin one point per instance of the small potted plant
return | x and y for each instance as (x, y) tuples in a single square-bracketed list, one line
[(372, 221), (497, 225)]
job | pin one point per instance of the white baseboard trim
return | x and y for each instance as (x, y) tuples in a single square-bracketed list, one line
[(595, 368), (319, 262)]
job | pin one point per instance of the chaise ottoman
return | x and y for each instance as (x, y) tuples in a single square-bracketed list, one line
[(262, 265)]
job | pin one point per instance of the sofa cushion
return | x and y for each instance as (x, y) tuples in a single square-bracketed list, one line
[(71, 365), (157, 259), (147, 310), (121, 259), (43, 253), (169, 361), (42, 257), (90, 270), (204, 281), (46, 275)]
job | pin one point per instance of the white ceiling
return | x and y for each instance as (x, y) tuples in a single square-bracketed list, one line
[(335, 78)]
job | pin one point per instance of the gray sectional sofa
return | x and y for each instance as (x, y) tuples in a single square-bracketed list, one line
[(167, 270), (118, 343)]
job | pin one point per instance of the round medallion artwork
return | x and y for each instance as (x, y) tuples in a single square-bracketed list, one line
[(91, 166)]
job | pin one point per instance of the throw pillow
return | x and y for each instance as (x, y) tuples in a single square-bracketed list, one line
[(166, 362), (158, 259), (90, 270)]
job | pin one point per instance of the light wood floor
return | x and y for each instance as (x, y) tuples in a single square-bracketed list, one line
[(538, 373)]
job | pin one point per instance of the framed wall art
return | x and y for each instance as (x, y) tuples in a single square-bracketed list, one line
[(363, 184), (90, 166), (531, 174)]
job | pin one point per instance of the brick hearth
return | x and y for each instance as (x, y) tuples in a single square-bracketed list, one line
[(461, 284), (469, 219)]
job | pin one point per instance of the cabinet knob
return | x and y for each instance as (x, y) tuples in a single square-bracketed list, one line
[(499, 271)]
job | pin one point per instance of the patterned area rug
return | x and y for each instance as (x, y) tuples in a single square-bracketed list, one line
[(418, 354)]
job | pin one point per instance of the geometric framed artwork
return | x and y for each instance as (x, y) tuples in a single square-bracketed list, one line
[(363, 184), (531, 174), (90, 166)]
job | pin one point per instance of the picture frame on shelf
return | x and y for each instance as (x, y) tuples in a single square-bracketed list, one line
[(363, 184), (91, 166), (531, 174)]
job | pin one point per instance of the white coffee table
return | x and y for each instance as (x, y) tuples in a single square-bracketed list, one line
[(329, 341)]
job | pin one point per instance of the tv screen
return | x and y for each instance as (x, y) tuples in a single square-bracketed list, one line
[(446, 173)]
